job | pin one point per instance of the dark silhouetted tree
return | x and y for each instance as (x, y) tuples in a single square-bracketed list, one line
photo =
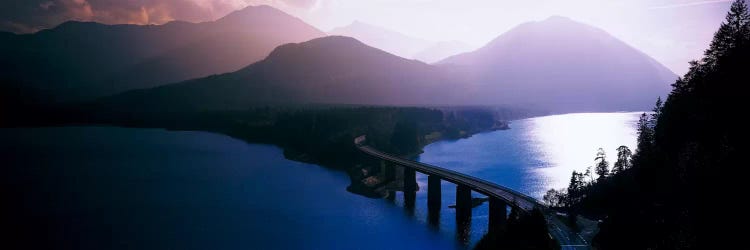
[(731, 34), (554, 198), (656, 112), (602, 166), (405, 137), (645, 134), (574, 187), (623, 159), (685, 150), (587, 175)]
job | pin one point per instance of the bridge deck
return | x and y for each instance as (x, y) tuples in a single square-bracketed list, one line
[(513, 198)]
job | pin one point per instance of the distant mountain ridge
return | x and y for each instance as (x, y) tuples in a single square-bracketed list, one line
[(329, 70), (83, 60), (565, 66), (390, 41), (441, 50), (585, 70), (557, 65), (400, 44)]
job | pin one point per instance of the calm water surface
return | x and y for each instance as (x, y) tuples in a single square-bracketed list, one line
[(533, 156), (123, 188)]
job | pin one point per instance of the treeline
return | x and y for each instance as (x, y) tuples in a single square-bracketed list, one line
[(681, 188), (317, 134), (326, 135), (522, 231), (583, 186)]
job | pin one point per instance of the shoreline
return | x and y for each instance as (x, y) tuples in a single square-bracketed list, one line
[(350, 166)]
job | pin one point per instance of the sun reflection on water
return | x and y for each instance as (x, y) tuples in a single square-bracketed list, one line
[(565, 143)]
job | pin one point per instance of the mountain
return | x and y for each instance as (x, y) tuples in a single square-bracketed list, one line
[(329, 70), (388, 40), (83, 60), (441, 50), (563, 66)]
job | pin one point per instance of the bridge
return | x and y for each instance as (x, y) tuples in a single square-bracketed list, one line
[(499, 197)]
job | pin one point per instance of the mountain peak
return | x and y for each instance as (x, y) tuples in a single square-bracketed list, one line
[(557, 18), (324, 42), (253, 12), (330, 45), (357, 26), (561, 22), (252, 8), (74, 24), (391, 41), (130, 56), (327, 70), (555, 61), (335, 40)]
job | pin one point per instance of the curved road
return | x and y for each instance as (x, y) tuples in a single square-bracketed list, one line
[(567, 238), (513, 198)]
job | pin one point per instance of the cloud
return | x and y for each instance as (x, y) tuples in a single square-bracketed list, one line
[(23, 16)]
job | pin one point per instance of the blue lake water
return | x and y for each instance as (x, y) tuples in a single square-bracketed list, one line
[(533, 156), (124, 188)]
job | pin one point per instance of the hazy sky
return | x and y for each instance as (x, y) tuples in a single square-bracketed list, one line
[(672, 31)]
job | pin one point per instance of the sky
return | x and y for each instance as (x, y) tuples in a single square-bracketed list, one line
[(672, 31)]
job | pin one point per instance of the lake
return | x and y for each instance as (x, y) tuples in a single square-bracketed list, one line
[(126, 188), (535, 155)]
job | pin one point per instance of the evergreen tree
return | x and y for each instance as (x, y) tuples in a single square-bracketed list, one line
[(739, 21), (602, 167), (405, 137), (685, 150), (732, 33), (574, 188), (656, 112), (645, 134), (587, 175), (552, 198), (623, 159)]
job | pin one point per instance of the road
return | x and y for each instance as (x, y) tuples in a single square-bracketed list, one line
[(567, 238), (490, 189)]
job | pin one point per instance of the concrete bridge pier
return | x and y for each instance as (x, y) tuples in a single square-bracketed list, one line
[(433, 218), (434, 192), (409, 201), (391, 196), (463, 213), (463, 197), (388, 169), (410, 180), (498, 215)]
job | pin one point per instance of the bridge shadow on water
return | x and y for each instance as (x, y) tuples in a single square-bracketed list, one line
[(432, 218), (525, 226), (410, 199), (463, 216), (463, 225), (444, 217)]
